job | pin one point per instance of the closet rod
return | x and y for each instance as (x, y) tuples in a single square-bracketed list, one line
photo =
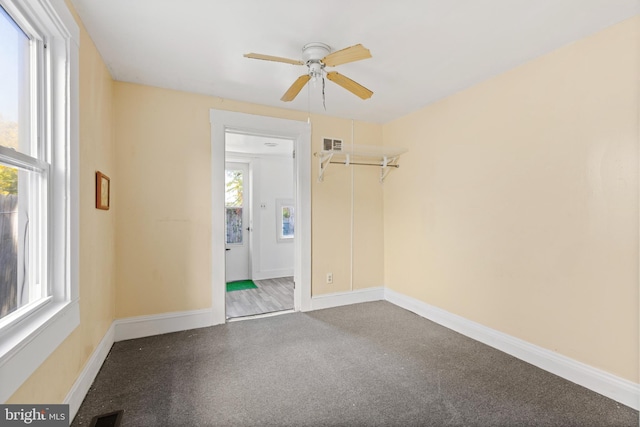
[(364, 164)]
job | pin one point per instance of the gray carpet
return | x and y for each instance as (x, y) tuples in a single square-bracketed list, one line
[(370, 364)]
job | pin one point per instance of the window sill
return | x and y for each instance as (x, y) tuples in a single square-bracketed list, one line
[(25, 348)]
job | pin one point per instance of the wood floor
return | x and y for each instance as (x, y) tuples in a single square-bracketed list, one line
[(271, 295)]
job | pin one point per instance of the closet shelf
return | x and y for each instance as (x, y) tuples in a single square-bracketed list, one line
[(386, 158)]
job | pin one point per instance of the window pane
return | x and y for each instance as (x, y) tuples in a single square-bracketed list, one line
[(234, 225), (14, 86), (8, 240), (19, 247), (234, 185), (234, 188), (288, 222)]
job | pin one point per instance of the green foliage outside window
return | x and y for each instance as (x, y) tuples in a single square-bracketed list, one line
[(234, 188)]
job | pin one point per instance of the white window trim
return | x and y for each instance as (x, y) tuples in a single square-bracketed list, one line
[(28, 342)]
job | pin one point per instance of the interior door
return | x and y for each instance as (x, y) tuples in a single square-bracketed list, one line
[(237, 218)]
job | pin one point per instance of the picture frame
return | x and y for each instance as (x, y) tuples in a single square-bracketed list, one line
[(103, 191)]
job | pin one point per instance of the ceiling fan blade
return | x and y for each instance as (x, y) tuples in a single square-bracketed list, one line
[(353, 87), (349, 54), (273, 58), (295, 88)]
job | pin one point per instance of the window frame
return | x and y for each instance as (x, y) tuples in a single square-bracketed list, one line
[(29, 339)]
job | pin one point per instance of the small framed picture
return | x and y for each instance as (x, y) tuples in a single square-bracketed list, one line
[(103, 190)]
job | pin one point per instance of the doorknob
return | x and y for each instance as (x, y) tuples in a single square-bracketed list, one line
[(227, 249)]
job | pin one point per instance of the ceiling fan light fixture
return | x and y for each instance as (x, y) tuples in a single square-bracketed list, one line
[(315, 70)]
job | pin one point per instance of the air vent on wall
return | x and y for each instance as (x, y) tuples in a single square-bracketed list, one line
[(332, 144)]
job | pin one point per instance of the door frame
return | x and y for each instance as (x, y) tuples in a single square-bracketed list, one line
[(300, 132)]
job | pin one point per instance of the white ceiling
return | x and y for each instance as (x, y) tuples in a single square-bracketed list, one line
[(423, 50), (253, 144)]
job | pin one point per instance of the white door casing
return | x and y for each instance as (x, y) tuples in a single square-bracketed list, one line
[(238, 255), (300, 133)]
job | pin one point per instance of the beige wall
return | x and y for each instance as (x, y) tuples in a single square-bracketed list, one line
[(163, 158), (53, 379), (332, 213), (518, 205)]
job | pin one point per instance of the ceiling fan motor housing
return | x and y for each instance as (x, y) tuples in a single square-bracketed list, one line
[(315, 52)]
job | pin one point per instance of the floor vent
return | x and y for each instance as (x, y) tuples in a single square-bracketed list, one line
[(112, 419)]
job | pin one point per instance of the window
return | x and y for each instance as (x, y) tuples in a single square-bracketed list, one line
[(285, 216), (24, 173), (38, 184), (234, 203)]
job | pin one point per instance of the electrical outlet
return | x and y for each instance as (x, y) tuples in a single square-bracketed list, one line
[(329, 278)]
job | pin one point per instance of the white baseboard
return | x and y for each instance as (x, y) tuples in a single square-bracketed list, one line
[(81, 387), (616, 388), (157, 324), (345, 298)]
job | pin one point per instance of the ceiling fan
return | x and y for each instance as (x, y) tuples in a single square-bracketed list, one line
[(317, 56)]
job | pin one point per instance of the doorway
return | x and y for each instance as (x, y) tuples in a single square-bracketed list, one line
[(296, 131), (259, 223)]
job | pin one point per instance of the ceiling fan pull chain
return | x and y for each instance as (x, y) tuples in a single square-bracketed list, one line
[(323, 100)]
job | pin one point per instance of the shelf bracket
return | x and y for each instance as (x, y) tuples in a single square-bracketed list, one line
[(387, 164), (323, 161)]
